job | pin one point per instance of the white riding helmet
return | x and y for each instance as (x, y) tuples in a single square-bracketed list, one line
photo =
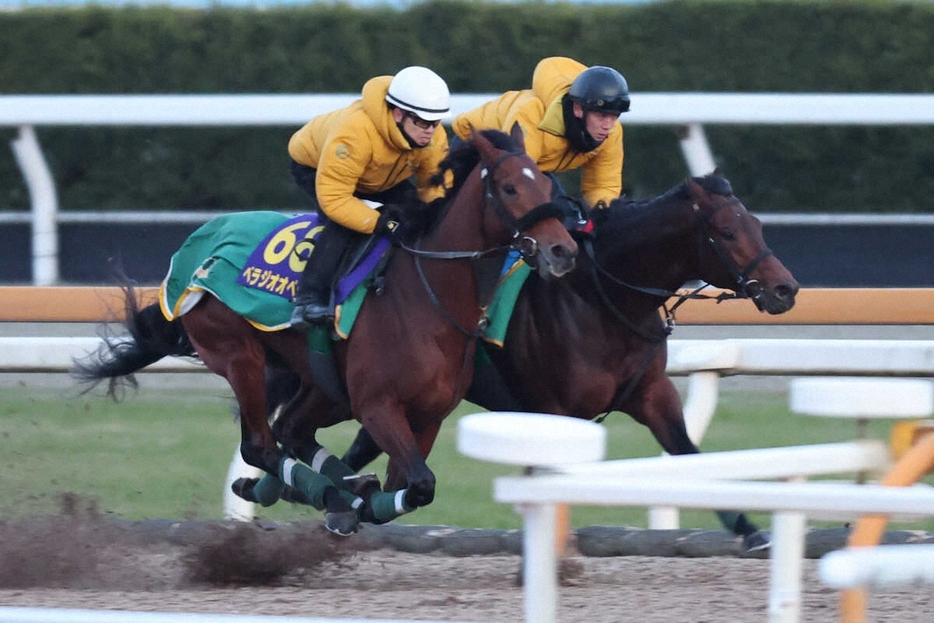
[(420, 91)]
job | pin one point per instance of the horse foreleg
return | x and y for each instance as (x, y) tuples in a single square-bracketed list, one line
[(390, 430), (660, 409)]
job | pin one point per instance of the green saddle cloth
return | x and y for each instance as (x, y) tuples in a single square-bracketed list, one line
[(213, 258)]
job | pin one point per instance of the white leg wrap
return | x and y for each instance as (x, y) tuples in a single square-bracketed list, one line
[(317, 461), (287, 466), (400, 508)]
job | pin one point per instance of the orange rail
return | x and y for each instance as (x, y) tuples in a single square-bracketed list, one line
[(833, 306)]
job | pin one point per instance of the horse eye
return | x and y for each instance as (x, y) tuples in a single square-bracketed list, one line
[(509, 189), (727, 235)]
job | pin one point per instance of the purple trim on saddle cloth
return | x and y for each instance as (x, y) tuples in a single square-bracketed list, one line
[(276, 264), (364, 268)]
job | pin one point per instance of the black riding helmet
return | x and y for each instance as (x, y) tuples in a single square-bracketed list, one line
[(601, 89)]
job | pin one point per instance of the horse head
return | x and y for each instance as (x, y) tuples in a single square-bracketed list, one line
[(732, 251), (518, 193)]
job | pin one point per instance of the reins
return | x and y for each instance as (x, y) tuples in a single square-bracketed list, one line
[(526, 246), (656, 340), (740, 277)]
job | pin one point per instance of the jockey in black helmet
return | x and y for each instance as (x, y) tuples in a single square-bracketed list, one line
[(570, 118)]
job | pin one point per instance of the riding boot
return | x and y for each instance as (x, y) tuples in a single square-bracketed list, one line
[(313, 302)]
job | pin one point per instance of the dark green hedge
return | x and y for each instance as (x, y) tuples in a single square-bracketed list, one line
[(664, 46)]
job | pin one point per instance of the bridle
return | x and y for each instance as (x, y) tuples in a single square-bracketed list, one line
[(746, 288), (526, 246), (488, 262)]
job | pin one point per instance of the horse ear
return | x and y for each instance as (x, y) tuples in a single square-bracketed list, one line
[(487, 151), (693, 187), (517, 136)]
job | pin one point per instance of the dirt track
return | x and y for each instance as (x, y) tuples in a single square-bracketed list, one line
[(71, 562)]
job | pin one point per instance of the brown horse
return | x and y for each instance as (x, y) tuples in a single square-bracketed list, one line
[(594, 342), (407, 363)]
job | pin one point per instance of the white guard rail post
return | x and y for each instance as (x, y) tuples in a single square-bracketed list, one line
[(44, 205), (882, 566)]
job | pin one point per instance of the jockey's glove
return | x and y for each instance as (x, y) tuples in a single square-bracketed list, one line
[(390, 224)]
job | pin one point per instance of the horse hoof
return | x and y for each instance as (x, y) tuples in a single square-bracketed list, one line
[(343, 523), (243, 487), (416, 498), (755, 542)]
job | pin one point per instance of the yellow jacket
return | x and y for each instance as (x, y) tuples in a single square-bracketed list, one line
[(359, 149), (538, 111)]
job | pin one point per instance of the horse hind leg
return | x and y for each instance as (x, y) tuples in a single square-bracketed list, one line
[(229, 347), (362, 451), (661, 411)]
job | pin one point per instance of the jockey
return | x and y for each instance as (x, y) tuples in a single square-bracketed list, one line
[(570, 119), (366, 151)]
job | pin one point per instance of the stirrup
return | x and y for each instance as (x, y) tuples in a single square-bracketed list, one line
[(311, 313)]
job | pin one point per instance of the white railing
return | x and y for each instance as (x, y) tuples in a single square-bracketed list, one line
[(688, 110), (790, 504), (881, 566), (704, 362), (560, 472)]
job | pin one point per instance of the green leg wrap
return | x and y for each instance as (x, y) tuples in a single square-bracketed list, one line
[(329, 465), (387, 506), (354, 501), (268, 490), (309, 482)]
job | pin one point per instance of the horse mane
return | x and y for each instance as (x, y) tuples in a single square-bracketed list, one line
[(619, 220), (455, 168), (461, 160)]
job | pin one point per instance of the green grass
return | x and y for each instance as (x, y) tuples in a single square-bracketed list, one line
[(164, 454)]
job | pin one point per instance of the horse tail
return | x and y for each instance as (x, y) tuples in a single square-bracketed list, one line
[(151, 337)]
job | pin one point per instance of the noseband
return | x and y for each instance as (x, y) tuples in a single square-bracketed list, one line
[(745, 287)]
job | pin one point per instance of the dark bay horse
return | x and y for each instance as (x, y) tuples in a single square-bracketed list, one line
[(407, 362), (595, 342)]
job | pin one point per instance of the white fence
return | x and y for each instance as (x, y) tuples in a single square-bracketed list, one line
[(688, 110), (537, 497), (705, 362), (561, 470), (879, 567), (713, 480)]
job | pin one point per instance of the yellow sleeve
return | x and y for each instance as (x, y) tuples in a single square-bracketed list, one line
[(302, 147), (491, 115), (602, 177), (529, 115), (342, 163)]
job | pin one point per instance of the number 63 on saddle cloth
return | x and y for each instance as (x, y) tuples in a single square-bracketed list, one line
[(252, 261)]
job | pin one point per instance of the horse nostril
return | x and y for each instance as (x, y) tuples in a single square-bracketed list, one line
[(786, 292)]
